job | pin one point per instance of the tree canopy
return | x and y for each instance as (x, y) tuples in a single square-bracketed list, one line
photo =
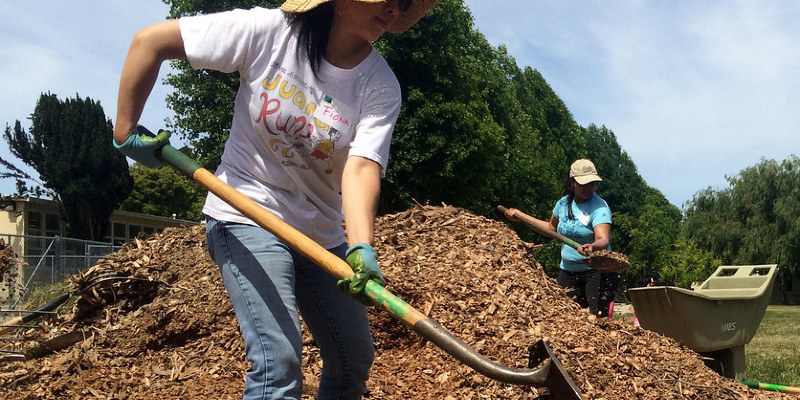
[(165, 192), (754, 220), (69, 146)]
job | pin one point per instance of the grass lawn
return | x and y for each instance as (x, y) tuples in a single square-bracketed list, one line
[(772, 356)]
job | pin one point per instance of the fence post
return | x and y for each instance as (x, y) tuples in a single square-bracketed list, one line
[(62, 261), (56, 259)]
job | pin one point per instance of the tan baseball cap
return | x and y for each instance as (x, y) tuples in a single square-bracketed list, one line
[(406, 19), (584, 171)]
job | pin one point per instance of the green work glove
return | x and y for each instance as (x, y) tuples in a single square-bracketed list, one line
[(361, 258), (142, 144)]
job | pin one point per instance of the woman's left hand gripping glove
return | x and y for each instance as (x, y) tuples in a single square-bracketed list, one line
[(142, 144), (361, 258)]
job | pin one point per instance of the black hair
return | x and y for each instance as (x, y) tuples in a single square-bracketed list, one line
[(646, 278), (569, 191), (315, 31)]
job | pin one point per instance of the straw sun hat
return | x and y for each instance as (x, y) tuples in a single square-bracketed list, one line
[(404, 21)]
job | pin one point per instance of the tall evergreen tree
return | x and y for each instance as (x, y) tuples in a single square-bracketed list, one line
[(69, 146)]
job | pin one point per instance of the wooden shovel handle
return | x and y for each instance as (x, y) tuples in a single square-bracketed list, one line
[(541, 228), (50, 306)]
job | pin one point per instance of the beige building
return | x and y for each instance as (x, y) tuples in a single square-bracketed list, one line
[(40, 217), (34, 230)]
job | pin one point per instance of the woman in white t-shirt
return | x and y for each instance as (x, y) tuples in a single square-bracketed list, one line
[(309, 141)]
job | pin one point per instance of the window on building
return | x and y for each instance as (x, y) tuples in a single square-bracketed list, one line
[(34, 245), (120, 236), (34, 223), (134, 230), (52, 225)]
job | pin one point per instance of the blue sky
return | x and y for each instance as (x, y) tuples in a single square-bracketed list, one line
[(69, 47), (695, 90)]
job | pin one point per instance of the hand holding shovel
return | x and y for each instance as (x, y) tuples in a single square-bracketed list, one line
[(603, 260)]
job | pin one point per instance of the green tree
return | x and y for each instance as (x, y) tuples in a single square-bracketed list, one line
[(165, 192), (22, 178), (754, 220), (541, 132), (648, 238), (203, 99), (508, 114), (686, 264), (447, 145), (69, 146)]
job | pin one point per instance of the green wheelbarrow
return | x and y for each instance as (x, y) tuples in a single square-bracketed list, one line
[(716, 319)]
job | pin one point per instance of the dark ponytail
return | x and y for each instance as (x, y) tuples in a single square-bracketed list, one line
[(315, 31), (569, 191)]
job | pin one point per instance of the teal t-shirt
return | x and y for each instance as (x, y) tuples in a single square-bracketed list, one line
[(580, 228)]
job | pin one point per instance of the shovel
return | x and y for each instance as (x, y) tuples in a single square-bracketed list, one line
[(603, 261), (549, 372), (772, 387), (16, 322)]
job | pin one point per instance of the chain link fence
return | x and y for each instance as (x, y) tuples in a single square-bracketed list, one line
[(45, 261)]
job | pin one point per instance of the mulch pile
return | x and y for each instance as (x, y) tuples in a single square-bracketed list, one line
[(155, 322), (6, 257), (9, 271)]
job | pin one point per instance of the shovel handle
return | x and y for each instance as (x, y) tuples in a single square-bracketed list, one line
[(416, 320), (772, 387), (541, 228), (50, 306)]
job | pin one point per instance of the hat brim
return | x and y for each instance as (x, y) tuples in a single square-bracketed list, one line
[(582, 180), (301, 6), (406, 20)]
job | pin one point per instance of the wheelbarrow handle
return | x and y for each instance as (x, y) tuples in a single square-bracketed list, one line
[(541, 228), (424, 326)]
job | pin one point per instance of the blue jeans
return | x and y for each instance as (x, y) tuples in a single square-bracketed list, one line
[(267, 283)]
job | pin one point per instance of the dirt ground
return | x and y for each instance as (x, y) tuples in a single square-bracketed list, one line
[(153, 321)]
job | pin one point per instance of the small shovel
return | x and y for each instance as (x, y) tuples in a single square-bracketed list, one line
[(549, 374), (603, 261)]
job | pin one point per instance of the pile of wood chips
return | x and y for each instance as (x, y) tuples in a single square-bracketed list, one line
[(158, 324), (6, 257), (10, 265)]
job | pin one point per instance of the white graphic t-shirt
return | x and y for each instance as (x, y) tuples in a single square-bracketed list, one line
[(292, 131)]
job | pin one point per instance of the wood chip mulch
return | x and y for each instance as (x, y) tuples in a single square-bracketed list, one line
[(158, 324), (6, 257), (608, 261)]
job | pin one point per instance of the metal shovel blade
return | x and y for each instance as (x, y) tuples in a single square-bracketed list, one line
[(558, 381)]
